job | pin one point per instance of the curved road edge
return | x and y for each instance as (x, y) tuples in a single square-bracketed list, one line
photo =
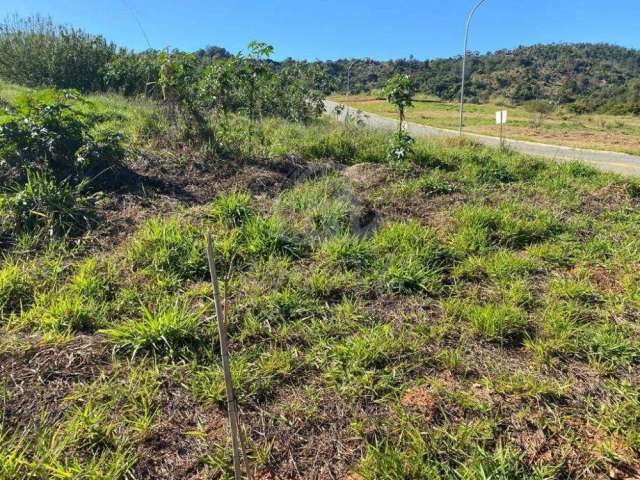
[(615, 162)]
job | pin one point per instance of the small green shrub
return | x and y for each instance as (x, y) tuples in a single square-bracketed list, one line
[(45, 130), (400, 146)]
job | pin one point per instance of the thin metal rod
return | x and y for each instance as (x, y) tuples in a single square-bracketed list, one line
[(226, 368), (464, 61), (349, 77)]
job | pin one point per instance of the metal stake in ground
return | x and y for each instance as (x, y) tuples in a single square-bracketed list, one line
[(224, 353)]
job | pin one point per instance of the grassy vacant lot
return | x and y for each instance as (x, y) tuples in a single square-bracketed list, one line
[(469, 314), (596, 131)]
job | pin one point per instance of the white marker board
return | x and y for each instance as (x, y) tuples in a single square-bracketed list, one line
[(501, 117)]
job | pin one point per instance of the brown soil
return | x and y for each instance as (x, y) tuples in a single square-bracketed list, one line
[(41, 376), (421, 401)]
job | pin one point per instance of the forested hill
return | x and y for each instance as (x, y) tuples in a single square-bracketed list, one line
[(597, 76), (587, 77)]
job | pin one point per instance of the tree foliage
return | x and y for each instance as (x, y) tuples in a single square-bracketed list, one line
[(399, 91), (45, 132), (34, 52), (594, 77)]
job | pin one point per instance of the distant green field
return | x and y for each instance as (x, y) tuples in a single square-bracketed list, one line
[(619, 133)]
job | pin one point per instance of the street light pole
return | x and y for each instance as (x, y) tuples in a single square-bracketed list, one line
[(349, 78), (464, 61)]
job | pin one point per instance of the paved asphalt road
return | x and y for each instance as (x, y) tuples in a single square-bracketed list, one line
[(603, 160)]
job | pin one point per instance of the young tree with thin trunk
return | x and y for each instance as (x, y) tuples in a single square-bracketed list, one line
[(399, 91)]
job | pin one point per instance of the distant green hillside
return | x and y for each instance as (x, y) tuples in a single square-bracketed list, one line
[(587, 77), (591, 76)]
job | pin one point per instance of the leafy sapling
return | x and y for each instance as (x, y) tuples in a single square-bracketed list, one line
[(399, 91)]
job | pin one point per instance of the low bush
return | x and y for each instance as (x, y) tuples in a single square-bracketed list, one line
[(48, 131)]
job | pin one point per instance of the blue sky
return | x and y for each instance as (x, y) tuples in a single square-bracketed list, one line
[(328, 29)]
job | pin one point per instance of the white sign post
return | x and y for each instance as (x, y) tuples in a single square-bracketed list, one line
[(501, 119)]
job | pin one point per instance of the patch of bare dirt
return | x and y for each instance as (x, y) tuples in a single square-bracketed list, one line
[(308, 442), (420, 400), (40, 377), (173, 449), (604, 199), (366, 174)]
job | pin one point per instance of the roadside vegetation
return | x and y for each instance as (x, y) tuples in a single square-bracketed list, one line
[(452, 312), (536, 121), (460, 313)]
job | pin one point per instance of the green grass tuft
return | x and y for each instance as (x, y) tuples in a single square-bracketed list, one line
[(16, 289), (232, 210), (170, 330)]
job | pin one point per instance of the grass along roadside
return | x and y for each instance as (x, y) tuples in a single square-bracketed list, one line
[(618, 133), (467, 314)]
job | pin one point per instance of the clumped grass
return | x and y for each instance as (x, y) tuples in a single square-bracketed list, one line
[(170, 329), (320, 207), (496, 322), (512, 226), (16, 289), (410, 258), (272, 236), (501, 265), (233, 210), (67, 313), (49, 208), (169, 247), (365, 364), (94, 436), (255, 376), (430, 185), (348, 252)]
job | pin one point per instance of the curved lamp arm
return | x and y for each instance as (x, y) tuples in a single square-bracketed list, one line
[(464, 60)]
